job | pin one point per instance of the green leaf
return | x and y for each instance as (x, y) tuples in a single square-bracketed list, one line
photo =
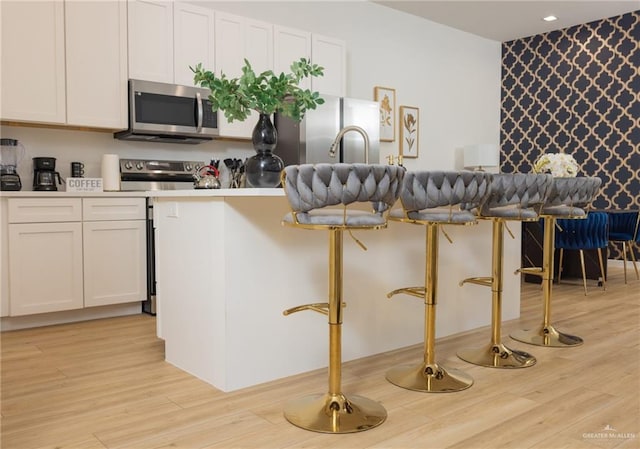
[(265, 92)]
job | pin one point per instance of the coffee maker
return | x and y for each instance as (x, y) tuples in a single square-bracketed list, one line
[(45, 174), (11, 151)]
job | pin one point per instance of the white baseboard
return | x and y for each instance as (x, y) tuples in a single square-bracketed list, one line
[(47, 319)]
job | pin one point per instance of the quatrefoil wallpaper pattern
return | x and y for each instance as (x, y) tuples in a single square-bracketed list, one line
[(577, 91)]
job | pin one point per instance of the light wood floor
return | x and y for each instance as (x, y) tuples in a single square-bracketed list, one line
[(104, 384)]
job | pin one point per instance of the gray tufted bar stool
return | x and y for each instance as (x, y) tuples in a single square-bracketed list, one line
[(432, 199), (567, 199), (514, 197), (312, 190)]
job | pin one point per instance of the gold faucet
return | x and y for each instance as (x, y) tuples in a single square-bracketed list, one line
[(343, 131)]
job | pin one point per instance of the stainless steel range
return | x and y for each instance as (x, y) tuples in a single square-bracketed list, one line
[(151, 174), (147, 175)]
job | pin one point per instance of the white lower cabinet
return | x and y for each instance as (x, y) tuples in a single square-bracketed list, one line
[(114, 262), (4, 259), (70, 253), (45, 267)]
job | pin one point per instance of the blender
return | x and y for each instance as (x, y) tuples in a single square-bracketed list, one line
[(11, 151)]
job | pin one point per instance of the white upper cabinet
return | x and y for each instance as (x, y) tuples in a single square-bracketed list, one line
[(258, 46), (194, 40), (238, 38), (67, 62), (229, 44), (290, 45), (33, 61), (165, 38), (151, 40), (64, 62), (331, 54), (96, 56)]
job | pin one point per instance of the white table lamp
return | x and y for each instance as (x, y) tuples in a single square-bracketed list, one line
[(481, 155)]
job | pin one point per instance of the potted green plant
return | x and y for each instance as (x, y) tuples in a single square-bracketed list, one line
[(266, 93)]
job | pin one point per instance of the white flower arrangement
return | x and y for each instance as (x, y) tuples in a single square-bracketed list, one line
[(560, 165)]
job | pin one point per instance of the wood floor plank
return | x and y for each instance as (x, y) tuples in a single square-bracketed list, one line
[(598, 430), (104, 384), (530, 427)]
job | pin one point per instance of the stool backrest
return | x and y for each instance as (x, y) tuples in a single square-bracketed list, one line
[(525, 190), (314, 186), (430, 189), (588, 233), (574, 192)]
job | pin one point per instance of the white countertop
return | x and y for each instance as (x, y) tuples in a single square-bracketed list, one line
[(62, 194), (247, 192)]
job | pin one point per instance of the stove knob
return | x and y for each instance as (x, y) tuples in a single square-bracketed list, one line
[(128, 165), (139, 165), (187, 167)]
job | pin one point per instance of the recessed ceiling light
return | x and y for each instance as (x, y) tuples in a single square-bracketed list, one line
[(549, 18)]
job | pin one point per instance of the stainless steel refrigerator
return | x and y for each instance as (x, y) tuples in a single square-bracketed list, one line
[(309, 141)]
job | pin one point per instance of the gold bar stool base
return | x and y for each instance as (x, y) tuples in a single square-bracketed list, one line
[(328, 413), (497, 356), (429, 378), (547, 336)]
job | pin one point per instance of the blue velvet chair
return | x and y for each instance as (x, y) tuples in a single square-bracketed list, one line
[(623, 227), (638, 234), (590, 233)]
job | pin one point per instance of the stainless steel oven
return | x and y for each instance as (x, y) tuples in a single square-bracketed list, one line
[(146, 175)]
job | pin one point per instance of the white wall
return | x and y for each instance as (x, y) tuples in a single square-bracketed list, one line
[(452, 76)]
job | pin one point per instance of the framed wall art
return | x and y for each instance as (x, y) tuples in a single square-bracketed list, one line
[(409, 131), (386, 97)]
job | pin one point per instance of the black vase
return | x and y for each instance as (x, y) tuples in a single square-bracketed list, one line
[(263, 169)]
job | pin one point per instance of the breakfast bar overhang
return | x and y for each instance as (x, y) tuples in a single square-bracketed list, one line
[(227, 269)]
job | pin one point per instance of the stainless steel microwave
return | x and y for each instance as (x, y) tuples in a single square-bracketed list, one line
[(161, 112)]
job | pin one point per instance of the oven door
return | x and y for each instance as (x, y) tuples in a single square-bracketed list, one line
[(149, 306)]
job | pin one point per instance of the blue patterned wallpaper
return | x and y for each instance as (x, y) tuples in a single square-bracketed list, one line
[(577, 91)]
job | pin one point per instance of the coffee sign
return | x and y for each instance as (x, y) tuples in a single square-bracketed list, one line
[(84, 185)]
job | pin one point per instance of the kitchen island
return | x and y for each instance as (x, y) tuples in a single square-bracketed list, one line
[(226, 269)]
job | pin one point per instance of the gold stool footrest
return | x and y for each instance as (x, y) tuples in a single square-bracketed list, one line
[(546, 336), (320, 307), (497, 356), (429, 378), (418, 292), (536, 271), (485, 281), (328, 413)]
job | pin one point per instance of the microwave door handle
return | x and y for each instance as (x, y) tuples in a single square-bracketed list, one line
[(200, 112)]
